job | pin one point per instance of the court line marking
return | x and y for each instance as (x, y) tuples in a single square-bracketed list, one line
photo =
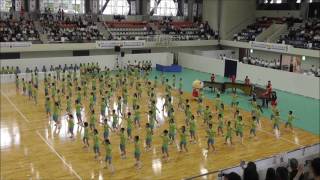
[(282, 138), (15, 107), (43, 139), (60, 157), (264, 131)]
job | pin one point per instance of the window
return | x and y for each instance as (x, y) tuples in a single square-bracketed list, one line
[(68, 6), (165, 8), (116, 7), (5, 5), (299, 1)]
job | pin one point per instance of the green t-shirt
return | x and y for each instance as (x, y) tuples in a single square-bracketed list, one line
[(220, 122), (276, 120), (229, 131), (206, 113), (106, 127), (172, 128), (137, 147), (103, 106), (122, 139), (183, 137), (137, 114), (108, 150), (96, 140), (211, 133), (165, 141), (69, 104), (93, 119), (290, 118), (149, 133), (86, 132), (115, 118), (192, 125), (56, 110), (129, 123), (48, 104), (240, 126), (78, 108), (253, 125), (70, 123)]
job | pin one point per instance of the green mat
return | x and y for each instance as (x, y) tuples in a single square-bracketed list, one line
[(305, 109)]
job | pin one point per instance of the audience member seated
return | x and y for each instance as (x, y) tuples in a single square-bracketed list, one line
[(275, 64), (13, 30), (271, 174), (253, 30), (306, 35), (250, 172), (313, 71), (64, 29), (232, 176), (294, 171)]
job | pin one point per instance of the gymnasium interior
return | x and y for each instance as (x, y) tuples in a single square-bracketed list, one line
[(160, 89)]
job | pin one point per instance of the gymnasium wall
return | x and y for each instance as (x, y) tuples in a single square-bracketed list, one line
[(216, 53), (235, 15), (201, 63), (278, 13), (282, 80), (103, 60), (210, 12), (270, 56), (94, 52)]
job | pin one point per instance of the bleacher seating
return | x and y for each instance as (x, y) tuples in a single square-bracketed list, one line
[(262, 23), (128, 30), (253, 30), (77, 29), (306, 35), (12, 30), (186, 30)]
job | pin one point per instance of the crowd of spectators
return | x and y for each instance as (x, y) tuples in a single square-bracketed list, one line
[(275, 64), (294, 171), (258, 61), (253, 30), (305, 36), (188, 30), (62, 28), (18, 29)]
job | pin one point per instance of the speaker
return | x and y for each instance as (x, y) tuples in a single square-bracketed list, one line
[(81, 53), (117, 49), (122, 54)]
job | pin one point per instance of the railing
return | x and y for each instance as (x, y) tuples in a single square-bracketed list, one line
[(275, 36), (238, 27), (303, 154)]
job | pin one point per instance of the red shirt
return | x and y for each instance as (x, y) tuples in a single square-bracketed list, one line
[(213, 77), (269, 91)]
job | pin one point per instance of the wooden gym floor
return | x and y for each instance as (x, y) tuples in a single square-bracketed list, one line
[(30, 149)]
